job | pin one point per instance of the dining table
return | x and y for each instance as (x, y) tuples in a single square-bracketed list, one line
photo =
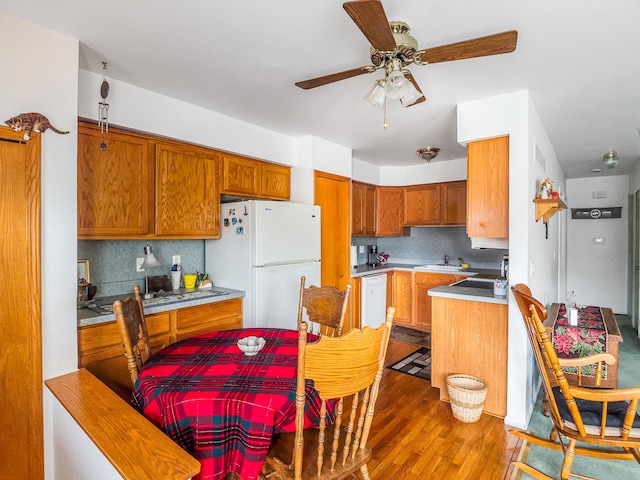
[(221, 405)]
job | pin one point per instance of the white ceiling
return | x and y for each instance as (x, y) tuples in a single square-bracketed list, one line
[(578, 58)]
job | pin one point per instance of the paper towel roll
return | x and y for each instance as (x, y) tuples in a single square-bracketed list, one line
[(354, 256)]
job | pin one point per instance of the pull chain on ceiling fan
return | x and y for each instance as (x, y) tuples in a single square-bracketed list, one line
[(392, 49)]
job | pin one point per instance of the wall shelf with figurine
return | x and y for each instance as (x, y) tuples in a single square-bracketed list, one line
[(548, 207)]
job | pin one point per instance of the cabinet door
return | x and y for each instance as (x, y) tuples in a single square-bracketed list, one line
[(225, 315), (402, 296), (187, 192), (275, 181), (357, 208), (389, 201), (488, 188), (424, 281), (453, 203), (240, 176), (422, 205), (369, 210), (115, 185)]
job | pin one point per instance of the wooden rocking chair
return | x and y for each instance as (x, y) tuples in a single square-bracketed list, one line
[(603, 419)]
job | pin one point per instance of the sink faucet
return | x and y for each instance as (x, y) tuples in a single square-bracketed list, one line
[(446, 259), (461, 261)]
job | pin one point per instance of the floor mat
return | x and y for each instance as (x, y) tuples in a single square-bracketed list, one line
[(410, 335), (417, 364)]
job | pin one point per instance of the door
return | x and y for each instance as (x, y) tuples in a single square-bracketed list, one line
[(21, 431), (276, 293), (286, 232), (333, 194)]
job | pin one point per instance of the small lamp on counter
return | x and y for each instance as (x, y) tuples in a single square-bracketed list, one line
[(150, 261)]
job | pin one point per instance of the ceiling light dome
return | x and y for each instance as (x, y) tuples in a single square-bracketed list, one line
[(610, 159), (428, 153)]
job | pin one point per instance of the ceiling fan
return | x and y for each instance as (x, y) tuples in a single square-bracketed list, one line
[(392, 49)]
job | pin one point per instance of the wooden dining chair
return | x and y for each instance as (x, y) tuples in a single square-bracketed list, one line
[(326, 307), (348, 369), (605, 421), (133, 332)]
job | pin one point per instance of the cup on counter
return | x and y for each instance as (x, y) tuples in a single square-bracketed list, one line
[(500, 288), (175, 279), (190, 280)]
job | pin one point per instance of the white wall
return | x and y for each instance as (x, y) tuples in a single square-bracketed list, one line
[(434, 172), (40, 74), (514, 115), (598, 272), (44, 77)]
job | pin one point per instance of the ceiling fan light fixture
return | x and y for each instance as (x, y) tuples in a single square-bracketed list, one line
[(377, 95), (412, 96), (396, 86), (610, 159), (428, 153)]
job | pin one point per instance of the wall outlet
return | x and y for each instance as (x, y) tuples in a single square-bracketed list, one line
[(175, 260), (139, 262)]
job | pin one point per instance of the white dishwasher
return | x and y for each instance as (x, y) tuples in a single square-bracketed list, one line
[(374, 300)]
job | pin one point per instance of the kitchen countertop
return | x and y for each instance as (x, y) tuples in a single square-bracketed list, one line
[(100, 310), (366, 269), (468, 294), (447, 291)]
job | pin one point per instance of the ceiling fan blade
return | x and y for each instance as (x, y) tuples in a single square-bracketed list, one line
[(370, 18), (334, 77), (422, 98), (504, 42)]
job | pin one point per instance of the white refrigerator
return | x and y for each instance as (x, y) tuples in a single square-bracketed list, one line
[(264, 249)]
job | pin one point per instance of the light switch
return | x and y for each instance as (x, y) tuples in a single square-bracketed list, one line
[(599, 240)]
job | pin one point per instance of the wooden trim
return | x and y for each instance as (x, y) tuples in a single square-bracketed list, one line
[(132, 444)]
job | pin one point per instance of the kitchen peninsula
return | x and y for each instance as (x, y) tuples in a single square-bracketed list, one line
[(469, 336)]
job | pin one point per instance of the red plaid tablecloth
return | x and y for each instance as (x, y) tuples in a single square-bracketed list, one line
[(223, 406)]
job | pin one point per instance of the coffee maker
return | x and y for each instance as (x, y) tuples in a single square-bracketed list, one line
[(372, 258), (504, 267)]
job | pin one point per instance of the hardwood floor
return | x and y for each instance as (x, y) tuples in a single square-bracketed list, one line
[(415, 436)]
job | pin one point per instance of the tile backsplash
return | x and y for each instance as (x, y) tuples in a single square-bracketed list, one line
[(430, 245), (112, 263)]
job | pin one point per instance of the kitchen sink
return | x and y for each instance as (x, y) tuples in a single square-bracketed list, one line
[(440, 266)]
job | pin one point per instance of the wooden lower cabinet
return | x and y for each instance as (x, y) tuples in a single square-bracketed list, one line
[(410, 297), (402, 297), (471, 338), (100, 348)]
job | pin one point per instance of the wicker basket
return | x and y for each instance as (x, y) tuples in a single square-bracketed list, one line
[(467, 394)]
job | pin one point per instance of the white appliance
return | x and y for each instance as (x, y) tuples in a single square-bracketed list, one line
[(264, 249), (374, 300)]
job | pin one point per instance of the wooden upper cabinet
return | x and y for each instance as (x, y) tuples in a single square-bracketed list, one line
[(187, 191), (389, 210), (422, 205), (435, 204), (358, 207), (453, 203), (240, 176), (253, 178), (363, 209), (115, 185), (276, 181), (488, 188)]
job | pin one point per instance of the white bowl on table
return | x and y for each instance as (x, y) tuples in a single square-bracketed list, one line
[(251, 345)]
